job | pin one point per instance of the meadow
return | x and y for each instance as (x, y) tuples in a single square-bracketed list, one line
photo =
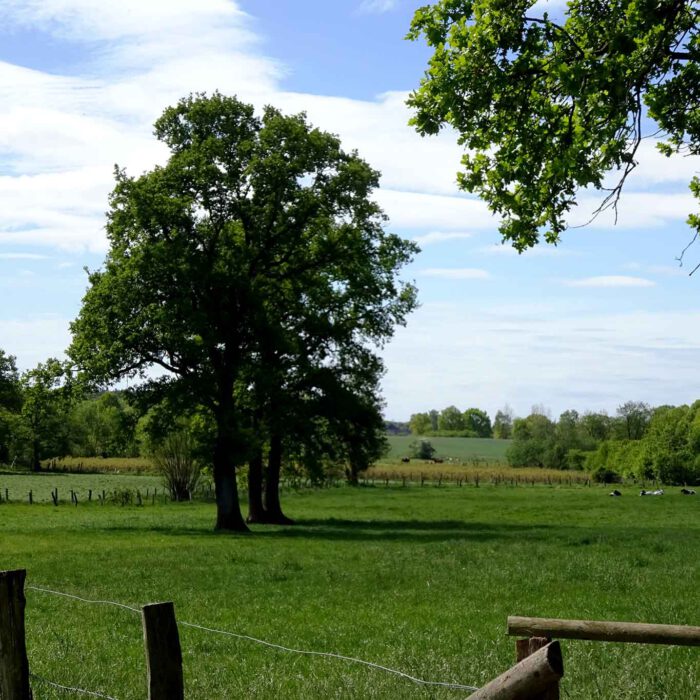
[(460, 449), (416, 579)]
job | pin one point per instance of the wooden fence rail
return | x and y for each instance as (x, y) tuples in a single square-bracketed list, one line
[(637, 632), (538, 671)]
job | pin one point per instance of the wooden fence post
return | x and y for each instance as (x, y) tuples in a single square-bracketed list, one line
[(14, 666), (163, 653), (528, 679), (527, 647)]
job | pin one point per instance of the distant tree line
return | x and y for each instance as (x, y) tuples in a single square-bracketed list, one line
[(639, 441), (451, 422), (48, 413)]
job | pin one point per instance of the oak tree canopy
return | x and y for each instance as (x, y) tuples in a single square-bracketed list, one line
[(546, 106)]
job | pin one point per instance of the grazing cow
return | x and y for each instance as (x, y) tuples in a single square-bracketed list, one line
[(405, 460), (615, 493), (688, 492), (658, 492), (437, 460)]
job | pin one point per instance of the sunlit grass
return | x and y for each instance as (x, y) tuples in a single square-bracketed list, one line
[(463, 449), (419, 579)]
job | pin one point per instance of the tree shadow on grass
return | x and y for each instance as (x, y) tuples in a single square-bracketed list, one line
[(334, 529), (405, 530)]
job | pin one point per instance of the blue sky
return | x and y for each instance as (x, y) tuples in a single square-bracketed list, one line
[(605, 317)]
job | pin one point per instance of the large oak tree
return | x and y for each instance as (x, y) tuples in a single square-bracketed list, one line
[(255, 231)]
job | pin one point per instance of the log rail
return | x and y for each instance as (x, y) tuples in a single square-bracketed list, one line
[(636, 632)]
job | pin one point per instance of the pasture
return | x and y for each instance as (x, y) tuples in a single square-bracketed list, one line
[(461, 449), (416, 579)]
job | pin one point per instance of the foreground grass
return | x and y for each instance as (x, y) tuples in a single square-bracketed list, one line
[(421, 580)]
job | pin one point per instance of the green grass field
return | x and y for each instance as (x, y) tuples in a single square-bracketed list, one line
[(19, 484), (420, 580), (463, 449)]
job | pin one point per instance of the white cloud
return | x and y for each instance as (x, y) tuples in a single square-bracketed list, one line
[(610, 281), (33, 340), (22, 256), (668, 270), (455, 273), (378, 6), (409, 210), (635, 210), (462, 354), (426, 239), (664, 270), (654, 168), (89, 20), (540, 251), (145, 56)]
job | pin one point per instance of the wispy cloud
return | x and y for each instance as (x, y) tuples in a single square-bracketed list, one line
[(22, 256), (455, 273), (441, 237), (584, 360), (378, 6), (541, 251), (664, 270), (610, 281)]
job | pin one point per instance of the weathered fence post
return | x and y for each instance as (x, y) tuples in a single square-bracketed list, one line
[(14, 666), (527, 647), (528, 679), (163, 653)]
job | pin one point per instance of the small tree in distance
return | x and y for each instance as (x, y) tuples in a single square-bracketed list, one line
[(421, 449)]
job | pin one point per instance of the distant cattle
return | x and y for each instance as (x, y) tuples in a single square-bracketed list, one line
[(658, 492), (688, 492), (405, 460), (615, 493), (437, 460)]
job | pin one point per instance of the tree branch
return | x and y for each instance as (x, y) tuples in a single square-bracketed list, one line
[(558, 27)]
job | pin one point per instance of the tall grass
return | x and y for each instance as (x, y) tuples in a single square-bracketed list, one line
[(101, 465)]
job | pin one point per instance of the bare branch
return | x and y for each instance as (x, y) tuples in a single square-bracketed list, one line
[(685, 250)]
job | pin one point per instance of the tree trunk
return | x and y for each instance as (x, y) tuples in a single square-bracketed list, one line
[(256, 509), (272, 484), (36, 461), (228, 509)]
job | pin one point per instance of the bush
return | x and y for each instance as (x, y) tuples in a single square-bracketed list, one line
[(421, 449), (603, 475), (122, 497), (174, 459), (576, 459)]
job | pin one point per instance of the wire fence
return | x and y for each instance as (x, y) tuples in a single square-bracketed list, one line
[(272, 645), (69, 689)]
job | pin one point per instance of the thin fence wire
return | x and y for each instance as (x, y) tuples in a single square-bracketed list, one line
[(85, 600), (272, 645), (420, 681), (69, 689)]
